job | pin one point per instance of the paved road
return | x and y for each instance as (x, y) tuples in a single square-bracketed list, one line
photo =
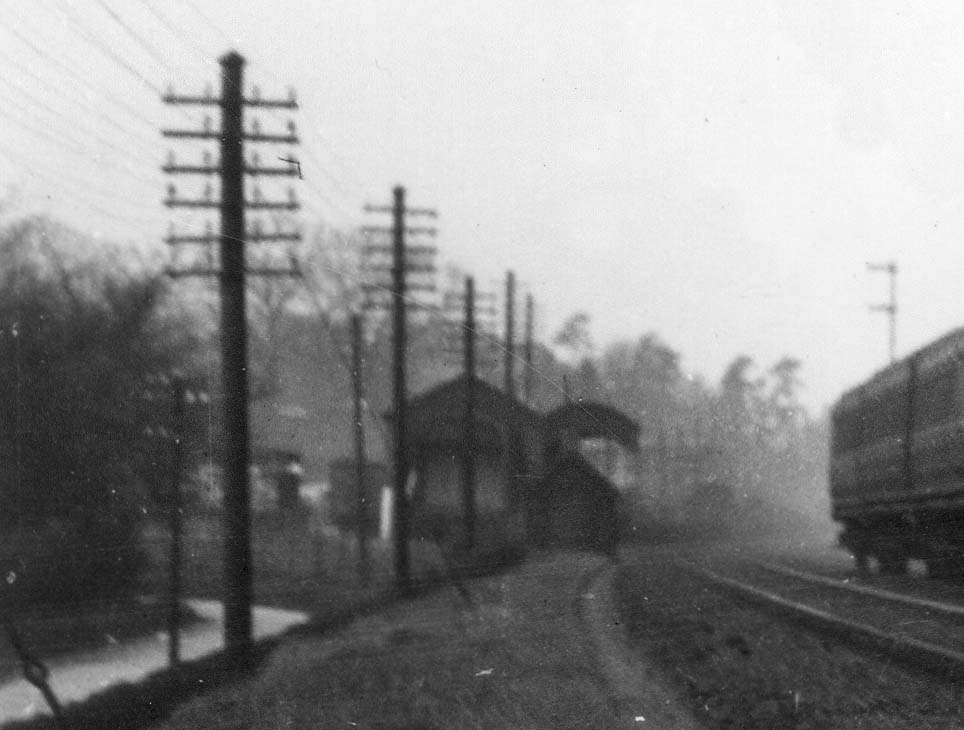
[(75, 677)]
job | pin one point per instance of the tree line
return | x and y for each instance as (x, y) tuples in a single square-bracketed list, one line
[(90, 334)]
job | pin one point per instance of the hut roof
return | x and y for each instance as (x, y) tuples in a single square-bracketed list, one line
[(589, 419)]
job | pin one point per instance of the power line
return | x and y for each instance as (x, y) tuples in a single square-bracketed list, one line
[(209, 22), (176, 32), (123, 153), (69, 13), (73, 73), (148, 48), (76, 99)]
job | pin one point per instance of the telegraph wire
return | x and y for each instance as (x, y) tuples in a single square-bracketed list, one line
[(76, 99), (74, 187), (123, 153), (70, 14), (148, 48), (311, 126), (201, 52), (133, 111), (209, 22)]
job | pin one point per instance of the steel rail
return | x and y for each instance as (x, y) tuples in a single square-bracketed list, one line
[(937, 657), (948, 609)]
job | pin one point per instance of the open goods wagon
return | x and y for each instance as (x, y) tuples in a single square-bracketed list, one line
[(897, 462)]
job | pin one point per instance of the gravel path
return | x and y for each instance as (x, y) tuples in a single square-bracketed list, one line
[(525, 654)]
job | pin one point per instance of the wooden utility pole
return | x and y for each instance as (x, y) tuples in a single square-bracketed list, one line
[(232, 205), (468, 436), (399, 442), (510, 334), (890, 309), (175, 522), (360, 465), (399, 288), (527, 375)]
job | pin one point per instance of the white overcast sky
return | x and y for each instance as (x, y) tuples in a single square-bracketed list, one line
[(719, 173)]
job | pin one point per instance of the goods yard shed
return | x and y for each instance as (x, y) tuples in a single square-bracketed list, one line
[(508, 439), (531, 484)]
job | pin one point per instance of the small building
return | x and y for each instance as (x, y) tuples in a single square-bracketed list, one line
[(507, 452), (575, 507), (532, 486)]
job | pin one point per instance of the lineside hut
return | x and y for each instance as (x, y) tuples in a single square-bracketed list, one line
[(575, 507), (508, 457)]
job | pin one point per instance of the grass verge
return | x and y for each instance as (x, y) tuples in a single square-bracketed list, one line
[(743, 667)]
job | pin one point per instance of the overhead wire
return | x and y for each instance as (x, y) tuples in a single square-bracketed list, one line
[(122, 153), (67, 11), (74, 74), (310, 126), (74, 97), (147, 47)]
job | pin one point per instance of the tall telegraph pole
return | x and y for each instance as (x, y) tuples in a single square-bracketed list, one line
[(468, 437), (234, 339), (527, 375), (510, 334), (399, 268), (361, 476), (890, 308)]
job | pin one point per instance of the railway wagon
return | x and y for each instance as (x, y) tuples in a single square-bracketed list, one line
[(897, 462)]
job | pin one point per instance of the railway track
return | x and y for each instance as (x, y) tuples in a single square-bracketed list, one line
[(925, 632)]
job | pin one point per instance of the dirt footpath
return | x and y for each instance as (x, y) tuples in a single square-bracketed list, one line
[(539, 647)]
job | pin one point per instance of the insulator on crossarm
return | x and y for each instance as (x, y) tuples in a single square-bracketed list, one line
[(207, 191), (256, 127), (256, 93), (206, 159), (291, 128), (256, 230), (292, 97), (255, 160), (291, 196), (207, 124), (171, 192), (170, 230), (208, 231), (257, 194), (208, 92), (170, 159)]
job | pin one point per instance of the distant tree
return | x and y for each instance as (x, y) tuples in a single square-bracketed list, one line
[(574, 338), (81, 338)]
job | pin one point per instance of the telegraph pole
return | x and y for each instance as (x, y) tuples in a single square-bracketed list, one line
[(232, 168), (890, 309), (360, 466), (527, 375), (468, 437), (399, 288), (510, 334), (175, 519)]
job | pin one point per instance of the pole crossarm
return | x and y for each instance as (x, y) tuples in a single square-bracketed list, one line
[(291, 171), (231, 269), (272, 205), (271, 103), (183, 273), (206, 100), (413, 268), (414, 230), (272, 138), (190, 134), (372, 248)]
